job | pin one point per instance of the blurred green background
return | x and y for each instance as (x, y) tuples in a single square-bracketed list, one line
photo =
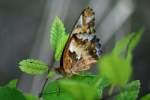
[(25, 24)]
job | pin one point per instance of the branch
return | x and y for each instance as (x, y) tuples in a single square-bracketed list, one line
[(49, 68)]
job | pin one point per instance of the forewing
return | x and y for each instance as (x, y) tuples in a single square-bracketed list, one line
[(82, 48), (86, 22)]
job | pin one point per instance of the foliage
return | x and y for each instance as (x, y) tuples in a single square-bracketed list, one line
[(33, 67), (115, 70), (58, 38), (30, 97), (60, 46), (146, 97), (133, 43), (117, 67), (130, 92), (76, 88), (54, 92), (12, 83), (51, 74), (7, 93)]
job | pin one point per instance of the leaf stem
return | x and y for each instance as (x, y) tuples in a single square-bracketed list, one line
[(57, 77), (109, 96), (45, 82), (49, 68), (111, 90), (114, 93)]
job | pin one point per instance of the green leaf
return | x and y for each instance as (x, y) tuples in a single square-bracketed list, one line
[(129, 43), (130, 92), (60, 46), (114, 67), (7, 93), (54, 92), (146, 97), (12, 83), (117, 70), (135, 39), (58, 38), (84, 78), (51, 74), (33, 67), (30, 97), (57, 31), (133, 43), (79, 90), (58, 90), (121, 45), (96, 81), (101, 83)]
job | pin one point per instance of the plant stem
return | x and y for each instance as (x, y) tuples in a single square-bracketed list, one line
[(56, 77), (109, 96), (115, 93), (111, 90), (49, 68), (45, 82)]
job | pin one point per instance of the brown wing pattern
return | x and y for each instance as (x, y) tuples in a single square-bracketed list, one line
[(86, 22), (82, 48)]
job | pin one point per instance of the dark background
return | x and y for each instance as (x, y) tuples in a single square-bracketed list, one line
[(24, 28)]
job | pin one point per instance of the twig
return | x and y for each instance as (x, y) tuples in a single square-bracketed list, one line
[(56, 77), (46, 80)]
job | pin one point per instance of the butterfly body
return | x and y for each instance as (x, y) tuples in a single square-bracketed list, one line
[(82, 48)]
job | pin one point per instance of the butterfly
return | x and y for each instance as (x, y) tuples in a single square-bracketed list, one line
[(82, 48)]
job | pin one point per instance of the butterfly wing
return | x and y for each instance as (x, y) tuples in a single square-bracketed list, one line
[(82, 48), (86, 22)]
